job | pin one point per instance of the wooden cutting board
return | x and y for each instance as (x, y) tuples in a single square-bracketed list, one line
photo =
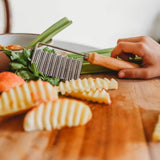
[(121, 131)]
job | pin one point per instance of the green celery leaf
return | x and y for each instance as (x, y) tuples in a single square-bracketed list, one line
[(33, 68), (21, 57), (13, 56), (17, 66), (27, 54), (53, 81), (26, 75), (47, 49), (7, 51)]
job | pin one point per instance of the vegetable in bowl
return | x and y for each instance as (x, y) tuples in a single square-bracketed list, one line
[(20, 63), (12, 47)]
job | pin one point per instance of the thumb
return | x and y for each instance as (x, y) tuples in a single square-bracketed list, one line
[(140, 73)]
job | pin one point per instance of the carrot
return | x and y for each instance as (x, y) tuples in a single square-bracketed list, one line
[(9, 80), (14, 47)]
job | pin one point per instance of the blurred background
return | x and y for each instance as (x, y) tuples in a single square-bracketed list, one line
[(97, 23)]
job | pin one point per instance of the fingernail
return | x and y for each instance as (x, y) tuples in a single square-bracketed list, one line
[(121, 74)]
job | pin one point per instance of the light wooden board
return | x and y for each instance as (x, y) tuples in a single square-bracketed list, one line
[(121, 131)]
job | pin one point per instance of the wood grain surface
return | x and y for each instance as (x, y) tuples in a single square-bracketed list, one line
[(121, 131)]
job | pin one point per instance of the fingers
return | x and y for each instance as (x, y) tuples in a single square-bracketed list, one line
[(139, 73), (123, 56), (134, 45), (144, 47), (126, 56), (128, 47)]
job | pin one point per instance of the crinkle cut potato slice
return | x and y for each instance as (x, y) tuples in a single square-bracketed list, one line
[(22, 98), (100, 96), (85, 84), (57, 114)]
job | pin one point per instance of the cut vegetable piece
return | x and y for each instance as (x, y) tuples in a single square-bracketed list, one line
[(9, 80), (100, 96), (24, 97), (81, 85), (57, 114), (14, 47), (156, 133)]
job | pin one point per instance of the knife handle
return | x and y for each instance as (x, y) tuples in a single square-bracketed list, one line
[(109, 62)]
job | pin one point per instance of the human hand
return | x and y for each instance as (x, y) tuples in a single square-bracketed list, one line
[(144, 47)]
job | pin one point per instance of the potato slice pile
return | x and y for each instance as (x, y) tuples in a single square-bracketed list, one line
[(89, 89), (47, 111), (87, 85)]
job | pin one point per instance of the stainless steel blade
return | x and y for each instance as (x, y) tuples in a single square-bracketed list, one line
[(58, 66)]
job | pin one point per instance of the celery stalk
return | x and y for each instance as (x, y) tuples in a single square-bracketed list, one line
[(46, 39), (62, 22), (101, 51), (88, 68), (105, 52)]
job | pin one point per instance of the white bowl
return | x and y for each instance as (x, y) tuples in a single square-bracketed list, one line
[(22, 39)]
